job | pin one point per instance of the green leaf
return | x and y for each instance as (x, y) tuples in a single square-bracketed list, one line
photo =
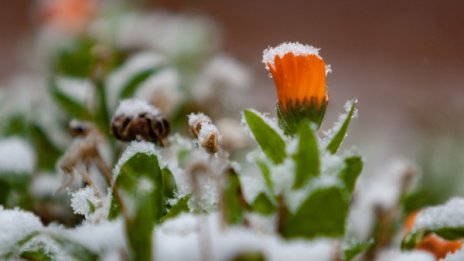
[(266, 172), (180, 207), (71, 106), (75, 59), (263, 205), (140, 185), (351, 172), (322, 214), (133, 83), (353, 250), (249, 256), (233, 202), (306, 157), (169, 184), (272, 144), (38, 255), (340, 134)]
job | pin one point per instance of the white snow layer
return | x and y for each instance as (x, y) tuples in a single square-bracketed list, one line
[(76, 89), (190, 233), (134, 107), (195, 118), (15, 225), (282, 49), (450, 215), (456, 256), (406, 256), (16, 155)]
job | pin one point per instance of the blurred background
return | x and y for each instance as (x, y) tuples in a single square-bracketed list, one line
[(403, 60)]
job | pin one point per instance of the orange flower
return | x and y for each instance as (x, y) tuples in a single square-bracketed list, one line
[(432, 243), (299, 75), (68, 15)]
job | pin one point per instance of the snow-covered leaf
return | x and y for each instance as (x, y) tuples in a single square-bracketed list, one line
[(323, 213), (351, 251), (338, 133), (270, 141), (232, 199), (306, 158), (262, 204), (351, 172)]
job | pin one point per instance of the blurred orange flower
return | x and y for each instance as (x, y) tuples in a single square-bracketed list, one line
[(68, 15), (432, 243), (299, 74)]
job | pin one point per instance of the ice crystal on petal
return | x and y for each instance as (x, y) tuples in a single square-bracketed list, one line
[(282, 49)]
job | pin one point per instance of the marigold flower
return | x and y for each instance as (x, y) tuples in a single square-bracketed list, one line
[(432, 243), (299, 74), (68, 15)]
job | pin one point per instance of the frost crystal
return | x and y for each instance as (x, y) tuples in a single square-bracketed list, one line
[(282, 49), (207, 129), (83, 200), (194, 118), (16, 156), (15, 225), (134, 107), (449, 215)]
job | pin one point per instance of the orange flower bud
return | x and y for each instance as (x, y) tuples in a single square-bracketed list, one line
[(68, 15), (299, 74)]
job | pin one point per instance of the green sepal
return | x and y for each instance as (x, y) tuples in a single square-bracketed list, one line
[(295, 113)]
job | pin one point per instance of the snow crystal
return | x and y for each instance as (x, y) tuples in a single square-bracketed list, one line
[(15, 225), (329, 134), (450, 214), (406, 256), (134, 107), (81, 200), (134, 148), (456, 256), (162, 89), (76, 89), (282, 49), (16, 155)]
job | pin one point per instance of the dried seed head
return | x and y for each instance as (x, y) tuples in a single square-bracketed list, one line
[(208, 137), (195, 121)]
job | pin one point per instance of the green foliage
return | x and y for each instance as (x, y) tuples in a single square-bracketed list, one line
[(340, 134), (262, 204), (75, 59), (306, 157), (140, 184), (272, 144), (233, 202), (249, 256), (266, 172), (351, 172), (133, 83), (351, 251), (322, 214), (70, 105), (180, 207)]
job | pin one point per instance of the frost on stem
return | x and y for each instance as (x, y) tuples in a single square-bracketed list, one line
[(16, 156), (16, 224), (449, 215)]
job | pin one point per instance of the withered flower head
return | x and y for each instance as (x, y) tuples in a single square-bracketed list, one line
[(299, 74)]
